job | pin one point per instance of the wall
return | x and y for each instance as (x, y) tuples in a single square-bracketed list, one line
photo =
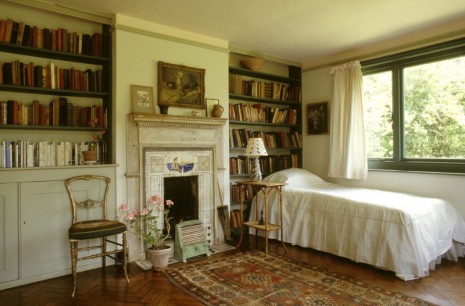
[(136, 54), (317, 87)]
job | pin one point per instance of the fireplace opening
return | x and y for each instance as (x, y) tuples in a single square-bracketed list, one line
[(183, 191)]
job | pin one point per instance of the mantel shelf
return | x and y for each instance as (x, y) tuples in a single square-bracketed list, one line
[(161, 120)]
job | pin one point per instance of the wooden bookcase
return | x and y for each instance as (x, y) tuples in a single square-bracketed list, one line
[(268, 106), (33, 199), (77, 76)]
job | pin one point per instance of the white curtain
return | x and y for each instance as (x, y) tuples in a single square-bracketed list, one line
[(347, 156)]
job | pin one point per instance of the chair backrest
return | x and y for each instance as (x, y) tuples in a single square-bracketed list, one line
[(89, 192)]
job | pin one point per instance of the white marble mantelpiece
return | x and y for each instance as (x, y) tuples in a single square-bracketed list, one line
[(165, 133)]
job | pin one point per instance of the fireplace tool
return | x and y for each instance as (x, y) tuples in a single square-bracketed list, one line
[(223, 215)]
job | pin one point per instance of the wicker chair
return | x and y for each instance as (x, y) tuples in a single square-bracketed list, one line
[(88, 195)]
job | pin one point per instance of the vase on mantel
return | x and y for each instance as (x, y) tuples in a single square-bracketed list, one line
[(217, 110), (160, 258)]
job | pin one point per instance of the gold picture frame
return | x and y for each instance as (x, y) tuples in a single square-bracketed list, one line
[(142, 99), (180, 86)]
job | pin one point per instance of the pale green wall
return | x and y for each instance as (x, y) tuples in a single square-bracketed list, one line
[(136, 57)]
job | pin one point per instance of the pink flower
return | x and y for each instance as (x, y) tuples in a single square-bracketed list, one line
[(144, 212), (130, 215), (169, 203), (123, 207), (155, 199)]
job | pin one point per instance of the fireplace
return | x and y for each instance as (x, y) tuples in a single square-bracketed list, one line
[(184, 152), (184, 176), (184, 191)]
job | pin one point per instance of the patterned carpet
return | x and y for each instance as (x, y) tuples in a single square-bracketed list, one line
[(250, 278)]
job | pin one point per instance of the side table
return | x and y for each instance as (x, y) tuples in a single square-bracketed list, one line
[(265, 187)]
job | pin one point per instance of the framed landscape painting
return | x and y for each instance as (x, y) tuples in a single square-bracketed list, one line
[(180, 86)]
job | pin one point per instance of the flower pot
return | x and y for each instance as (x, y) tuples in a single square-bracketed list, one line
[(89, 157), (160, 258)]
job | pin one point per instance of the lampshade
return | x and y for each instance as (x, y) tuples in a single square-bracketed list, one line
[(255, 148)]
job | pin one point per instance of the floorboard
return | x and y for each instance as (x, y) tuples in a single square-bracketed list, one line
[(444, 286)]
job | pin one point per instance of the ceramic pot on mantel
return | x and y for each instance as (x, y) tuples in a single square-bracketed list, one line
[(160, 258), (217, 110)]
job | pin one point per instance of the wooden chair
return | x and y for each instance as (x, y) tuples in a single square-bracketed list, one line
[(88, 195)]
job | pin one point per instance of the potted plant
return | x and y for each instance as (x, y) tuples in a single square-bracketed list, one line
[(147, 225), (90, 156)]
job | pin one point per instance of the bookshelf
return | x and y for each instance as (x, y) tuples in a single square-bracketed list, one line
[(268, 106), (33, 198), (55, 95)]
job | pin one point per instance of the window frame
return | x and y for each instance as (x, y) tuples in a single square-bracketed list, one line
[(396, 63)]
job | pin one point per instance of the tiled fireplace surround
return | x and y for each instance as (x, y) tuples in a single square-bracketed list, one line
[(155, 141)]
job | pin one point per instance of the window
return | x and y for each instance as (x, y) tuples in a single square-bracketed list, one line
[(414, 104)]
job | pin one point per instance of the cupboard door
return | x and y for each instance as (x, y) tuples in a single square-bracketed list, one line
[(9, 232), (45, 219)]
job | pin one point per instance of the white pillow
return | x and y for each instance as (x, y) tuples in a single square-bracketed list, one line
[(294, 177)]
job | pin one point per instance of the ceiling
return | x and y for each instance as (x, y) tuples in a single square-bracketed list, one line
[(307, 32)]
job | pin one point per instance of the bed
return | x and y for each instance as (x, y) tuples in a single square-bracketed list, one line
[(396, 231)]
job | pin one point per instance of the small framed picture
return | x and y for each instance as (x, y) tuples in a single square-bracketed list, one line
[(210, 103), (142, 99), (317, 118)]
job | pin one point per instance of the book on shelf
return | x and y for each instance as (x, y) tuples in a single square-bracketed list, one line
[(236, 218), (59, 112), (264, 89), (59, 39), (52, 77), (259, 113), (241, 165), (22, 154), (8, 30), (2, 29), (238, 138)]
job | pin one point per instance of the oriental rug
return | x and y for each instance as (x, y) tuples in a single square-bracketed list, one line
[(251, 278)]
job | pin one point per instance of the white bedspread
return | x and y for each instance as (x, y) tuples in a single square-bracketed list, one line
[(403, 233)]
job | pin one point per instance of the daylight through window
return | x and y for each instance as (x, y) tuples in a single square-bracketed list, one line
[(414, 106)]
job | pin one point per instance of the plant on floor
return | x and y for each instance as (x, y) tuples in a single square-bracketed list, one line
[(146, 223)]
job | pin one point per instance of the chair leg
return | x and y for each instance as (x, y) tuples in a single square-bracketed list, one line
[(104, 252), (74, 251), (125, 270)]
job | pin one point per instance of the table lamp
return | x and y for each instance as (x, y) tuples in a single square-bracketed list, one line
[(255, 149)]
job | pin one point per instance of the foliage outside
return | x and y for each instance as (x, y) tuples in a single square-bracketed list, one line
[(434, 111)]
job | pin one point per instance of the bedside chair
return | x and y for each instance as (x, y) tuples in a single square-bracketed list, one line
[(88, 195)]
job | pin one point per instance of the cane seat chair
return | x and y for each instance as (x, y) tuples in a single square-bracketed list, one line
[(89, 195)]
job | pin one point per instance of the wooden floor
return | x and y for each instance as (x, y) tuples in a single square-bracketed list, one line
[(444, 286)]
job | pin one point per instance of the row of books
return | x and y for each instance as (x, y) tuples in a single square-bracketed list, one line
[(52, 77), (260, 113), (236, 220), (257, 88), (236, 194), (59, 112), (242, 165), (238, 138), (22, 154), (60, 39)]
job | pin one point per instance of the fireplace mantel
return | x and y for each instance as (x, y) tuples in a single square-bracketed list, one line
[(158, 120), (170, 133)]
